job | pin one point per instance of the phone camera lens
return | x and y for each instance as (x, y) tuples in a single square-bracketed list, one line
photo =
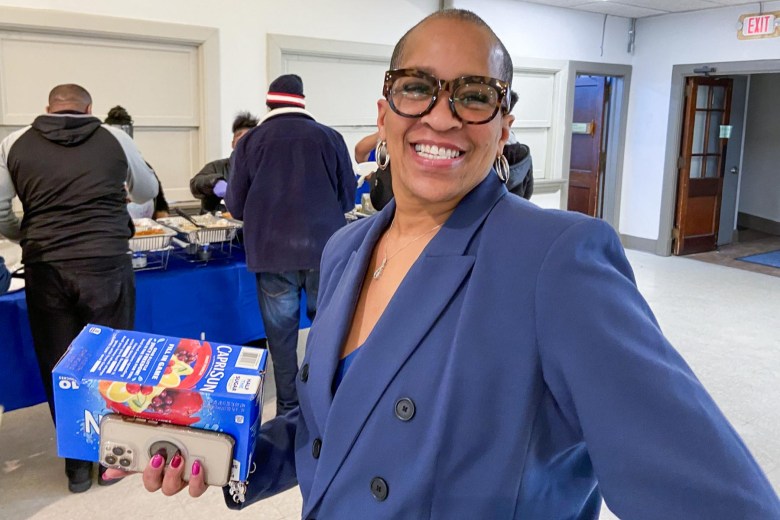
[(124, 462), (111, 460), (118, 451)]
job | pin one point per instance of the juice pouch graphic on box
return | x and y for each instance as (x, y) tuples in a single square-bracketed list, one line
[(204, 385)]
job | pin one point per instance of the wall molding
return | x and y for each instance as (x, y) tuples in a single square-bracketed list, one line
[(762, 224), (645, 245), (545, 186), (279, 44)]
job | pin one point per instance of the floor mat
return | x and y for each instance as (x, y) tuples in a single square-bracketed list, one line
[(771, 258)]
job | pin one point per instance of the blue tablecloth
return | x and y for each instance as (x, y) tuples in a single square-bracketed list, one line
[(218, 299)]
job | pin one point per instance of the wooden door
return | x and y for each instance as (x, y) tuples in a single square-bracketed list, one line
[(586, 169), (701, 163)]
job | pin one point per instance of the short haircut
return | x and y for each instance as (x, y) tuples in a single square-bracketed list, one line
[(244, 120), (69, 94), (513, 97), (463, 15)]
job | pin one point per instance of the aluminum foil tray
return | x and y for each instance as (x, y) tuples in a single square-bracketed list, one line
[(215, 229), (150, 235)]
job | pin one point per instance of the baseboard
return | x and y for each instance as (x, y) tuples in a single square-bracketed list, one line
[(764, 225), (645, 245)]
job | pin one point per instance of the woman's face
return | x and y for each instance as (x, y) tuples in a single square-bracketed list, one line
[(446, 49)]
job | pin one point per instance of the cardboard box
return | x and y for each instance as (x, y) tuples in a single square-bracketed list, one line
[(194, 383)]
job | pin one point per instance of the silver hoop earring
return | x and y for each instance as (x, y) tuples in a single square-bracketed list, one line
[(501, 165), (381, 155)]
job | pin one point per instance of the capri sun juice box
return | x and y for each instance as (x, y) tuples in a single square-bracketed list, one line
[(201, 384)]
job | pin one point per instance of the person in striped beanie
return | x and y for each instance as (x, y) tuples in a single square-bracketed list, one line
[(286, 91)]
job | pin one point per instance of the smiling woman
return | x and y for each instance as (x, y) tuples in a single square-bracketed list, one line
[(453, 371), (461, 125)]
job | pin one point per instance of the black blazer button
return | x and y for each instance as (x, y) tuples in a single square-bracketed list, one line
[(316, 446), (305, 373), (404, 409), (379, 489)]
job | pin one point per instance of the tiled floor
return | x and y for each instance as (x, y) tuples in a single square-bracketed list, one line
[(724, 321)]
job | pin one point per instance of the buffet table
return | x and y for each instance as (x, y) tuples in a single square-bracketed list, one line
[(218, 299)]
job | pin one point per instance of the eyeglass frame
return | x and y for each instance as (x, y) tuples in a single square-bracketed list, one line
[(501, 87)]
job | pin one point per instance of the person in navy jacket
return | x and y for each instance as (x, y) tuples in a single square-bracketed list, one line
[(292, 181), (477, 357)]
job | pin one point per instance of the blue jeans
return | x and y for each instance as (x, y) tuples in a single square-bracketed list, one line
[(280, 304)]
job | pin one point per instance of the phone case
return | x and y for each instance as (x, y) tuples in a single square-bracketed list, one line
[(129, 443)]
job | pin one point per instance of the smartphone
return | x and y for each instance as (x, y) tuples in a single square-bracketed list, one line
[(129, 443)]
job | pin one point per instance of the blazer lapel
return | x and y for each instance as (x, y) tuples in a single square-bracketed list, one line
[(333, 321), (422, 296)]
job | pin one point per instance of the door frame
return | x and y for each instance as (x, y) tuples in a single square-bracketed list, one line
[(616, 136), (702, 187), (595, 104), (740, 93), (663, 246)]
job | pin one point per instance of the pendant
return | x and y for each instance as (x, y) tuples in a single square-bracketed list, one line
[(379, 269)]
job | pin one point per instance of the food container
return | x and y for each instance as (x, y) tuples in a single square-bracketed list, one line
[(150, 235), (215, 229)]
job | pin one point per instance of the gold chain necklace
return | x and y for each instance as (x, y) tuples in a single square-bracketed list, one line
[(381, 268)]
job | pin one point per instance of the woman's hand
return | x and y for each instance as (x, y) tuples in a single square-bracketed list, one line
[(168, 479)]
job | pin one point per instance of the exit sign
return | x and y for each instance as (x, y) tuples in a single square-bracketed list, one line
[(759, 26)]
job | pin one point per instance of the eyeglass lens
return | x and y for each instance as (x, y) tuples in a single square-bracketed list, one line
[(473, 102)]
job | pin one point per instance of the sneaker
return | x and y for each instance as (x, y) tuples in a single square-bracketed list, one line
[(80, 481)]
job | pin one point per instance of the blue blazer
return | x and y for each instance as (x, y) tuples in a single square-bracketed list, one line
[(517, 373)]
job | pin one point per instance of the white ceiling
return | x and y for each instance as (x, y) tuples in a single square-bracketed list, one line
[(642, 8)]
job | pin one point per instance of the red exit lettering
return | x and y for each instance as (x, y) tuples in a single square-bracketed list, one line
[(757, 25)]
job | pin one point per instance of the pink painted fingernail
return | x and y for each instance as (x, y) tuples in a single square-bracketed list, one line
[(176, 462), (196, 468), (157, 461)]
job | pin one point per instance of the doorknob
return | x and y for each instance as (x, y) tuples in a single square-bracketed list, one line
[(734, 170)]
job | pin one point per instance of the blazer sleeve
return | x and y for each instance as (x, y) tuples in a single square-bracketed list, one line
[(274, 461), (659, 445)]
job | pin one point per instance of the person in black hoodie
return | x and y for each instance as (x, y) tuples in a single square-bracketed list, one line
[(73, 175)]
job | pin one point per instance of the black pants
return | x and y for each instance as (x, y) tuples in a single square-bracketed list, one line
[(62, 297)]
